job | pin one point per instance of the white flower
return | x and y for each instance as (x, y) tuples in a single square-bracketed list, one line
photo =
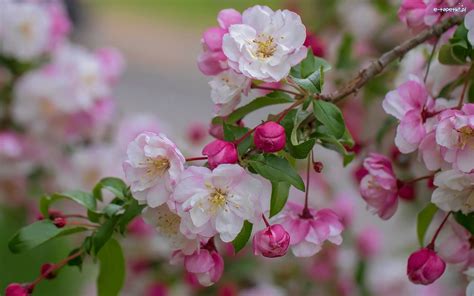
[(167, 224), (83, 75), (24, 29), (469, 23), (267, 43), (218, 201), (153, 167), (455, 191), (226, 90)]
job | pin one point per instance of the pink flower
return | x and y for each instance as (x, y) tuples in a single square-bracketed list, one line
[(369, 242), (220, 152), (60, 24), (269, 137), (16, 289), (425, 266), (212, 60), (412, 13), (267, 43), (420, 14), (153, 167), (207, 265), (309, 231), (315, 43), (112, 63), (409, 103), (218, 201), (455, 133), (455, 246), (196, 132), (271, 242), (379, 188)]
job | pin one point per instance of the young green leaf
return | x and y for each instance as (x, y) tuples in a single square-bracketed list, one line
[(104, 233), (114, 185), (276, 169), (83, 198), (273, 98), (242, 238), (330, 116), (112, 269), (37, 234), (279, 197), (423, 221)]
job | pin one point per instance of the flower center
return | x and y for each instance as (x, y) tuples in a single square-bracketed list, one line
[(157, 166), (168, 223), (266, 46), (217, 199), (466, 133), (469, 203), (26, 30)]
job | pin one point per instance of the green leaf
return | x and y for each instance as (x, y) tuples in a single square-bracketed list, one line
[(83, 198), (276, 169), (332, 143), (280, 192), (133, 210), (104, 233), (299, 117), (302, 150), (76, 261), (45, 203), (309, 74), (465, 220), (273, 98), (330, 116), (112, 269), (423, 221), (450, 54), (37, 234), (114, 185), (242, 238), (232, 133)]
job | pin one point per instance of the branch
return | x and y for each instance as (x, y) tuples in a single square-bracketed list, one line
[(377, 66)]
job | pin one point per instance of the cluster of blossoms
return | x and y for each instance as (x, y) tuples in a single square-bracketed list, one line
[(249, 188), (441, 131)]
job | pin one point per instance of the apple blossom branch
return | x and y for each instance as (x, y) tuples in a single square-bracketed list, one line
[(377, 66)]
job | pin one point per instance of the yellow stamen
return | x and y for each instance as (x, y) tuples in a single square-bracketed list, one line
[(266, 46), (217, 199), (466, 133), (157, 166)]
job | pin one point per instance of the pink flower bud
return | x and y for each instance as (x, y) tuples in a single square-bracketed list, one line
[(425, 266), (196, 132), (15, 289), (220, 152), (228, 17), (407, 192), (206, 265), (271, 242), (157, 289), (269, 137), (318, 166), (316, 44), (47, 271), (59, 222), (212, 37)]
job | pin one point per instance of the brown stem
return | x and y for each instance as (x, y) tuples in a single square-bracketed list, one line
[(430, 59), (196, 158), (275, 89), (283, 113), (306, 213), (431, 245), (377, 66), (417, 179), (54, 267), (265, 220)]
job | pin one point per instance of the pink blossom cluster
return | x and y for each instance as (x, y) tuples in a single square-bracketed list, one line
[(258, 45), (421, 14)]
